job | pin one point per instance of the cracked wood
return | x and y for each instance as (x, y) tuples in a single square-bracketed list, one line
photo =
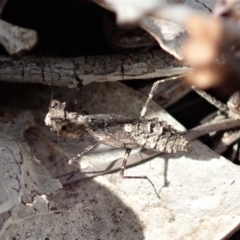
[(71, 71)]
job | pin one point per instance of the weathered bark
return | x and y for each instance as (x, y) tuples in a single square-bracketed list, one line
[(71, 71)]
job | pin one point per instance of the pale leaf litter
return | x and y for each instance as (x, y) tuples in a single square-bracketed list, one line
[(199, 190)]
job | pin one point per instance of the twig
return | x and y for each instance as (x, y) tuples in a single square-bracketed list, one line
[(225, 142), (144, 155), (211, 127)]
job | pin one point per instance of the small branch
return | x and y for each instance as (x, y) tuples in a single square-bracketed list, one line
[(211, 127), (70, 71), (225, 142)]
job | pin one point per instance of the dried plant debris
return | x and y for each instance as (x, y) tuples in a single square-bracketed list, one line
[(87, 69), (212, 47), (168, 31), (198, 188), (22, 175), (169, 35)]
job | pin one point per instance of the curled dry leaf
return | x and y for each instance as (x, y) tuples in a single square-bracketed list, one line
[(172, 34), (169, 35)]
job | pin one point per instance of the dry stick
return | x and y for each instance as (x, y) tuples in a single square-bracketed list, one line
[(225, 142), (211, 127), (144, 155), (110, 68)]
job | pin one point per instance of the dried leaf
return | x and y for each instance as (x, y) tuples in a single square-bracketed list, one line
[(169, 35), (22, 175)]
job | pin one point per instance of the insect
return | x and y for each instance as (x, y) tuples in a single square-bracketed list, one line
[(117, 131)]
